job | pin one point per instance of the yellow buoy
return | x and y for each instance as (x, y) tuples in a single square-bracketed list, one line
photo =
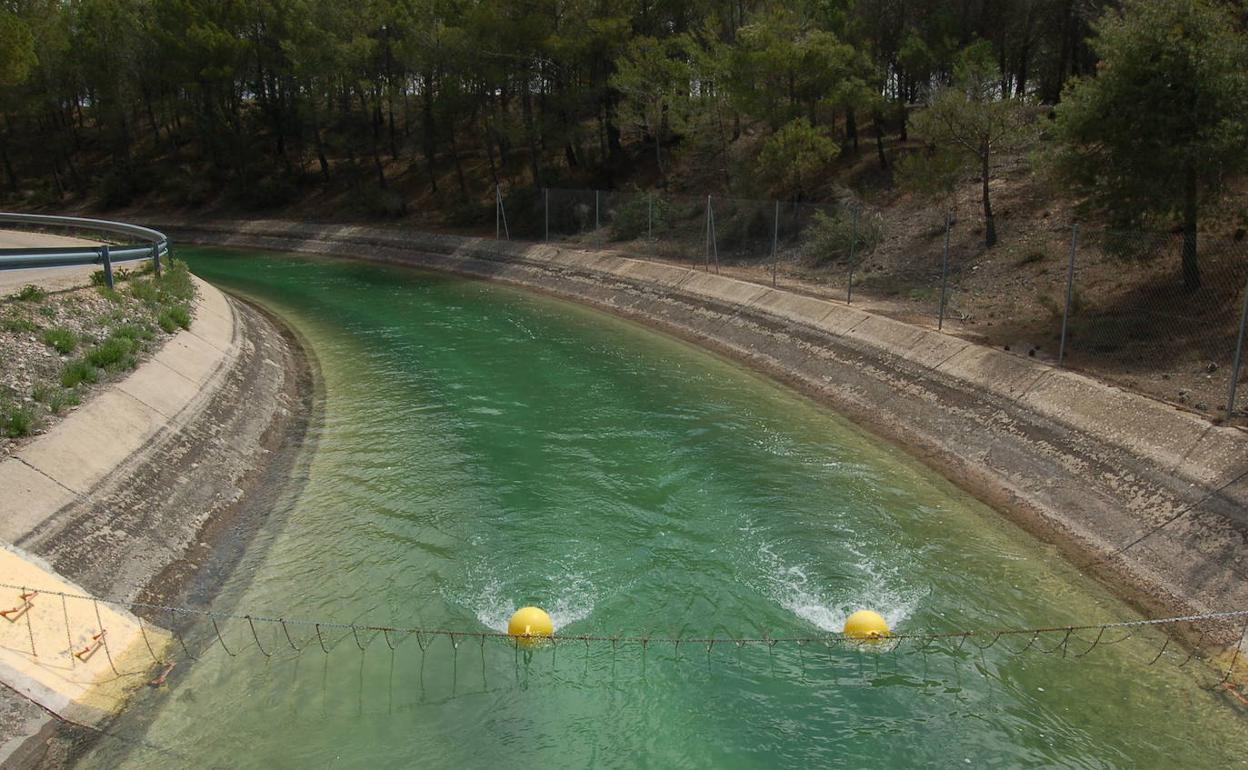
[(530, 625), (865, 624)]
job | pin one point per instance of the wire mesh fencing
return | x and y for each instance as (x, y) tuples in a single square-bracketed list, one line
[(1160, 313), (1155, 312)]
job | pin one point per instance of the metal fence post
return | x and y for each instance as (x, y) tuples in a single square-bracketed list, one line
[(596, 223), (775, 243), (714, 241), (706, 256), (108, 266), (546, 212), (944, 278), (853, 243), (1239, 352), (1070, 292), (501, 214), (649, 216), (497, 205), (156, 258)]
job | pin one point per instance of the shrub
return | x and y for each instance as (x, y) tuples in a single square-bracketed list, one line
[(17, 420), (113, 354), (78, 371), (30, 293), (829, 237), (173, 317), (635, 217), (61, 338)]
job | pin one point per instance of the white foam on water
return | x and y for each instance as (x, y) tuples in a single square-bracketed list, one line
[(790, 586), (495, 603)]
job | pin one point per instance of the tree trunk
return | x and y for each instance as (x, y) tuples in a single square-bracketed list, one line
[(990, 225), (9, 175), (1191, 267), (851, 128), (879, 140), (430, 131)]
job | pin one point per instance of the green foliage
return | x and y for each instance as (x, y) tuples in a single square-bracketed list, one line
[(17, 48), (171, 318), (29, 293), (794, 156), (933, 173), (968, 124), (60, 338), (57, 399), (17, 420), (638, 215), (654, 76), (18, 324), (112, 295), (113, 354), (78, 371), (829, 238), (136, 333), (1164, 121)]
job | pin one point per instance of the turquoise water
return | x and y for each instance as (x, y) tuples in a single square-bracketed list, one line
[(482, 448)]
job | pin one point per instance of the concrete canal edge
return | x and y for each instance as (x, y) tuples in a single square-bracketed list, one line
[(148, 492), (1150, 499)]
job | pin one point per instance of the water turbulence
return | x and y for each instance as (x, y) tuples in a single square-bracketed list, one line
[(482, 449)]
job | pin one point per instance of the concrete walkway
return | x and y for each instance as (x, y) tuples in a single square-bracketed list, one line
[(46, 278), (62, 467)]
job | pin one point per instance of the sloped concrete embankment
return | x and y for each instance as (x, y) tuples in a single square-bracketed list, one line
[(142, 494), (1151, 499)]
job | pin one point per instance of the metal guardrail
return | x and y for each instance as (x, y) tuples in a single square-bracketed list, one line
[(152, 244)]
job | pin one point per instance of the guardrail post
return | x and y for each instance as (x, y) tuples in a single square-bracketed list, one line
[(1239, 352), (156, 258), (1070, 292), (108, 266), (944, 278)]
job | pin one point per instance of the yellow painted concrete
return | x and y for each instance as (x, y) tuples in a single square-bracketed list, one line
[(37, 646)]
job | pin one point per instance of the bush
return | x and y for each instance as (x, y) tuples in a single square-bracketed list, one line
[(637, 217), (17, 421), (30, 293), (62, 339), (829, 237), (113, 354), (78, 371), (171, 318)]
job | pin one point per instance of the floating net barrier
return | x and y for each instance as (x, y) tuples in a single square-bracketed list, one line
[(1217, 638)]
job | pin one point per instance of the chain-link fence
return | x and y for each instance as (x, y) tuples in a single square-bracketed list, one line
[(1155, 312)]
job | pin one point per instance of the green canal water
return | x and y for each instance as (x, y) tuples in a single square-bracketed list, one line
[(481, 448)]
